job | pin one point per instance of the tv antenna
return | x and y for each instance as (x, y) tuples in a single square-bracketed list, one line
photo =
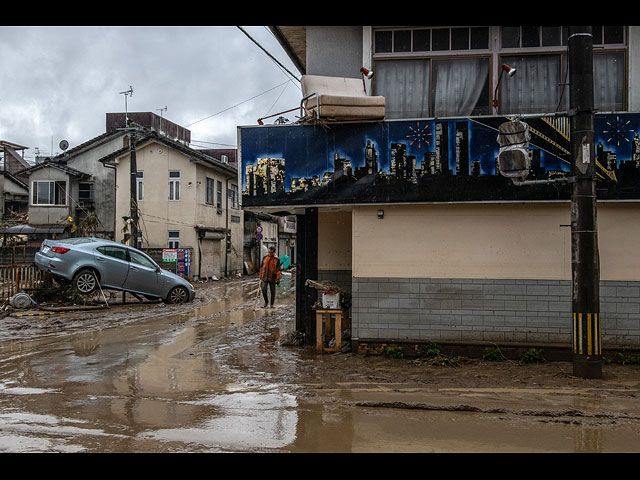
[(126, 93), (161, 110)]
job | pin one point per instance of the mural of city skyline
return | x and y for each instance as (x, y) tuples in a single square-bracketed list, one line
[(436, 160)]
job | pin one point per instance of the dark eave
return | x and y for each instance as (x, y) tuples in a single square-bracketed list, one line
[(294, 42)]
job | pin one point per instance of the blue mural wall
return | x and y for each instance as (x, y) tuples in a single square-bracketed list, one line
[(433, 160)]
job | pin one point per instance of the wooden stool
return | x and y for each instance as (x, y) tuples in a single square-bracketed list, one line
[(341, 323)]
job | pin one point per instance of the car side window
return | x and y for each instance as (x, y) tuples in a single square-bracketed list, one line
[(141, 259), (115, 252)]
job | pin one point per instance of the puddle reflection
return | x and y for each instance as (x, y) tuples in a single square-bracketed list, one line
[(243, 421)]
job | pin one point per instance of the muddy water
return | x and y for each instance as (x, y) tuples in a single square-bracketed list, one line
[(214, 379)]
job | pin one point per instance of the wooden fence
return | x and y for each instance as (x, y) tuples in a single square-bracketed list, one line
[(17, 255), (18, 278)]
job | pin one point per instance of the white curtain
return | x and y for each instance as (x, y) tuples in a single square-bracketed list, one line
[(608, 81), (535, 88), (405, 86), (458, 84)]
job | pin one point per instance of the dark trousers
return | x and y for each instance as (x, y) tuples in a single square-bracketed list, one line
[(272, 287)]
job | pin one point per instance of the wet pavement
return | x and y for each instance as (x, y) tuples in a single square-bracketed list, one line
[(213, 378)]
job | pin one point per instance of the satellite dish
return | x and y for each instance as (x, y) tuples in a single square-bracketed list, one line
[(63, 145)]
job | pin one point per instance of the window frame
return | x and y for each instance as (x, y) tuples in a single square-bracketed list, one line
[(139, 185), (232, 193), (90, 199), (56, 183), (496, 51), (174, 186), (219, 195), (209, 190), (173, 241)]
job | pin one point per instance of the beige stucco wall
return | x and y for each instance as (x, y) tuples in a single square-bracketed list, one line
[(155, 161), (159, 215), (527, 241), (334, 240)]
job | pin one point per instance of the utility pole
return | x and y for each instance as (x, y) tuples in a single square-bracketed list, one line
[(585, 263), (133, 170)]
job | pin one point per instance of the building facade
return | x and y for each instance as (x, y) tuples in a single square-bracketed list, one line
[(436, 245), (185, 200)]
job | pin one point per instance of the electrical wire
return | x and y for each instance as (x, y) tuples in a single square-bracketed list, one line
[(213, 143), (268, 54), (238, 104)]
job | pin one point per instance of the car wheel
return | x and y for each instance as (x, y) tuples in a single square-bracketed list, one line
[(178, 295), (85, 282)]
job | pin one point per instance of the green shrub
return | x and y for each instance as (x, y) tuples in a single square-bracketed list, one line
[(430, 350), (393, 352), (533, 355), (624, 359), (493, 355)]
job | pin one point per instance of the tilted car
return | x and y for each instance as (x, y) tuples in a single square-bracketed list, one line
[(92, 263)]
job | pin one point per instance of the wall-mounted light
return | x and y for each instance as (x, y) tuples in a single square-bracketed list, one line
[(381, 213), (511, 72), (368, 74)]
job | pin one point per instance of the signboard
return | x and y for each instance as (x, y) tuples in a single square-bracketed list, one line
[(183, 262), (429, 160), (169, 255)]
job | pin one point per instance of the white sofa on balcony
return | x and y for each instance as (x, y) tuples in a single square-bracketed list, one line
[(339, 99)]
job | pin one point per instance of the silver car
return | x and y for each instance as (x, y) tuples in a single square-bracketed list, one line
[(91, 263)]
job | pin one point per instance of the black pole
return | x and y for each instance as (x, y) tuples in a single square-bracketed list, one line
[(306, 269), (133, 189), (587, 352)]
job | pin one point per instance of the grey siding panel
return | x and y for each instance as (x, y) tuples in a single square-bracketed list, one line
[(538, 311)]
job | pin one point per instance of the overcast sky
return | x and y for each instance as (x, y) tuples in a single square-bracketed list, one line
[(57, 83)]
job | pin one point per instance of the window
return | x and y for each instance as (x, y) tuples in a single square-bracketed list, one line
[(219, 195), (435, 39), (209, 195), (140, 185), (140, 259), (427, 72), (85, 193), (233, 196), (115, 252), (49, 193), (535, 88), (434, 87), (174, 185), (174, 239)]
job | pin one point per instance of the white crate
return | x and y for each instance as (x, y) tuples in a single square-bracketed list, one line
[(331, 300)]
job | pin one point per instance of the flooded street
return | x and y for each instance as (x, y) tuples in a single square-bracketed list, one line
[(212, 377)]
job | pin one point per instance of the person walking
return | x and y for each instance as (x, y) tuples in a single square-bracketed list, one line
[(270, 276)]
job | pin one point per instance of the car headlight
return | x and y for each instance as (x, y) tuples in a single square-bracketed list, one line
[(191, 286)]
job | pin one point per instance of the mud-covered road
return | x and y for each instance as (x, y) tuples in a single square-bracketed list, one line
[(212, 376)]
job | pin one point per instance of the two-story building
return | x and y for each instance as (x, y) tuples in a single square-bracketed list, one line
[(186, 199), (14, 192), (407, 209)]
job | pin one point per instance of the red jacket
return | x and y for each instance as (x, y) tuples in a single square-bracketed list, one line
[(270, 269)]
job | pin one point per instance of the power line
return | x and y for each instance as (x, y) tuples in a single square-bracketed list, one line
[(213, 143), (238, 104), (268, 54)]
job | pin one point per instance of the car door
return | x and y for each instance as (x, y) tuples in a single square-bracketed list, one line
[(113, 264), (143, 276)]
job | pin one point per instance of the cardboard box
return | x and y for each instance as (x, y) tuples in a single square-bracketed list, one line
[(331, 300)]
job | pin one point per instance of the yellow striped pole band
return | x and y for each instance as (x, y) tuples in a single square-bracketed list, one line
[(586, 334)]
